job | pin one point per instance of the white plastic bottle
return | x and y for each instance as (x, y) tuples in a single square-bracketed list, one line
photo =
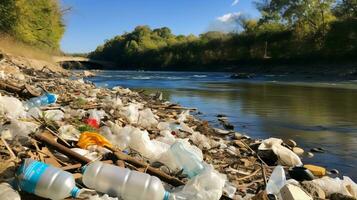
[(122, 182), (186, 159), (46, 181)]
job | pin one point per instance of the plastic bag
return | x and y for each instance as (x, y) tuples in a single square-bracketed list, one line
[(131, 113), (68, 132), (276, 181), (200, 140), (183, 116), (55, 115), (18, 128), (206, 186), (336, 185), (11, 107), (147, 119), (285, 156)]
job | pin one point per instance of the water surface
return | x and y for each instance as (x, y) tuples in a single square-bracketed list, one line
[(313, 113)]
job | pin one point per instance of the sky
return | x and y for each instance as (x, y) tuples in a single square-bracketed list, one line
[(90, 22)]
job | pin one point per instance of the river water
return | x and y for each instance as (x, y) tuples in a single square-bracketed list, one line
[(313, 113)]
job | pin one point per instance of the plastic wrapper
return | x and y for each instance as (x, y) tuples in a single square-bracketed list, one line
[(89, 138), (147, 119), (285, 156), (206, 186), (11, 107), (69, 132), (18, 128)]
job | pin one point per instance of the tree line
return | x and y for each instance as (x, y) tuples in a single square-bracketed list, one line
[(288, 31), (37, 23)]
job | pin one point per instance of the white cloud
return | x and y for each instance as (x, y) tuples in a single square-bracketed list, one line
[(235, 2), (229, 17), (226, 23)]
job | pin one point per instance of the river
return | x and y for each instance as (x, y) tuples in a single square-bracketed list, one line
[(313, 113)]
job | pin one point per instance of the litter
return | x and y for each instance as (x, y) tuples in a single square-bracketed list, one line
[(8, 193), (88, 139)]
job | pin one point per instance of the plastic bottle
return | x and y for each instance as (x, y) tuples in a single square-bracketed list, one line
[(122, 182), (43, 100), (8, 193), (46, 181), (187, 160), (277, 181)]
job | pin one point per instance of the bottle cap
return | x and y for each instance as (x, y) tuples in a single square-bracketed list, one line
[(52, 98), (166, 195), (75, 192)]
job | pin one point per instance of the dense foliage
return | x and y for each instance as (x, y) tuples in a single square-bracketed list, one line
[(288, 31), (34, 22)]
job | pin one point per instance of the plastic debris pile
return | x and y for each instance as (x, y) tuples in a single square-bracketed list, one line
[(65, 138)]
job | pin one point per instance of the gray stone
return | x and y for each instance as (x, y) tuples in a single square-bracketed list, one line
[(290, 143), (298, 151)]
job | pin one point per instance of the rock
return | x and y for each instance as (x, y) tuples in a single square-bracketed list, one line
[(221, 115), (298, 151), (334, 171), (293, 192), (238, 136), (221, 132), (314, 190), (317, 150), (338, 196), (290, 143), (88, 74), (309, 154)]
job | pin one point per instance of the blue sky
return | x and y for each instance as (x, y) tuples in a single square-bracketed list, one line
[(91, 22)]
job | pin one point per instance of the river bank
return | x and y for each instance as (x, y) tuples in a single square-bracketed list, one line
[(235, 155)]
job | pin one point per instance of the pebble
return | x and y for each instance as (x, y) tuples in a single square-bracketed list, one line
[(291, 143), (317, 150), (298, 151), (309, 155), (334, 171)]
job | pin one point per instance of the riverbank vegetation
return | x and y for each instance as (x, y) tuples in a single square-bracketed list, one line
[(288, 32), (37, 23)]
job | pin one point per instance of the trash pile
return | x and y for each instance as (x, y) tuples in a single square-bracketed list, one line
[(62, 137)]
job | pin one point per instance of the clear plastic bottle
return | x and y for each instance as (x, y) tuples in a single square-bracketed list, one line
[(122, 182), (187, 160), (8, 193), (46, 181), (276, 181), (43, 100)]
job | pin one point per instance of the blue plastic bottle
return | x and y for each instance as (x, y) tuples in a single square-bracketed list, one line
[(43, 100)]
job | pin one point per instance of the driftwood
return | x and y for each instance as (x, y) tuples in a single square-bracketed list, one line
[(24, 91), (62, 149)]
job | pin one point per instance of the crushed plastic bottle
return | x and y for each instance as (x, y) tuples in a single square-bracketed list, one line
[(122, 182), (45, 180), (277, 181), (8, 193), (43, 100), (191, 164)]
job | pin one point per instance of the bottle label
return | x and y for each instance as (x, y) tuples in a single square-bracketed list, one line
[(30, 175)]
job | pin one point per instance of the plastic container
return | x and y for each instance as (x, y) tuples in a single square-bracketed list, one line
[(46, 181), (277, 180), (8, 193), (43, 100), (122, 182), (190, 163)]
